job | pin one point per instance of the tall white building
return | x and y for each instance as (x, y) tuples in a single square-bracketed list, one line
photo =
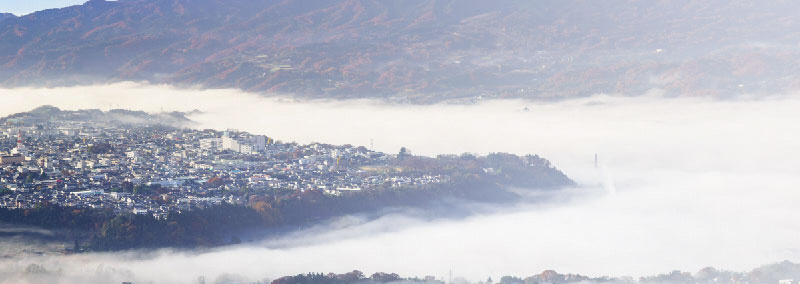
[(229, 143), (259, 142)]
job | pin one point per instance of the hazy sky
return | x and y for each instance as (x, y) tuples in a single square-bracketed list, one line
[(684, 183), (24, 7)]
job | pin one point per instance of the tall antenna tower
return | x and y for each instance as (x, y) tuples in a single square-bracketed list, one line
[(450, 277), (371, 145), (595, 160)]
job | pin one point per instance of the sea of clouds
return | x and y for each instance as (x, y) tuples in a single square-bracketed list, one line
[(681, 183)]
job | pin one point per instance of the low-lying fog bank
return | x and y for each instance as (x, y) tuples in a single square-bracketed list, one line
[(681, 183)]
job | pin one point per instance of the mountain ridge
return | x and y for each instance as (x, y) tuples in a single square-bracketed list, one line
[(419, 50), (4, 16)]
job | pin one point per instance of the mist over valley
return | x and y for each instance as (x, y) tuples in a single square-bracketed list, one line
[(701, 183), (386, 141)]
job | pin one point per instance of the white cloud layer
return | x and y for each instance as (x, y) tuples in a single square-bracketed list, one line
[(683, 183)]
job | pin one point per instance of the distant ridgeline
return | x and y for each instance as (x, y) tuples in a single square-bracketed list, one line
[(122, 179), (782, 272)]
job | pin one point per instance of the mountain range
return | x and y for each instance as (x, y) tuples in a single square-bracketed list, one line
[(413, 50)]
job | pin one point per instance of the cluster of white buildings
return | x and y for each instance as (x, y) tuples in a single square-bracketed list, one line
[(80, 159), (246, 144)]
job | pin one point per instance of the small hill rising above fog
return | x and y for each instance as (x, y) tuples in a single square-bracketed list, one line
[(415, 50)]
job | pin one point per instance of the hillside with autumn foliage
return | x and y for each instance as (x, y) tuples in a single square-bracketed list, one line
[(419, 51)]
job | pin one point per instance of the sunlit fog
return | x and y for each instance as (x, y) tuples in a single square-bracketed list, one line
[(680, 183)]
